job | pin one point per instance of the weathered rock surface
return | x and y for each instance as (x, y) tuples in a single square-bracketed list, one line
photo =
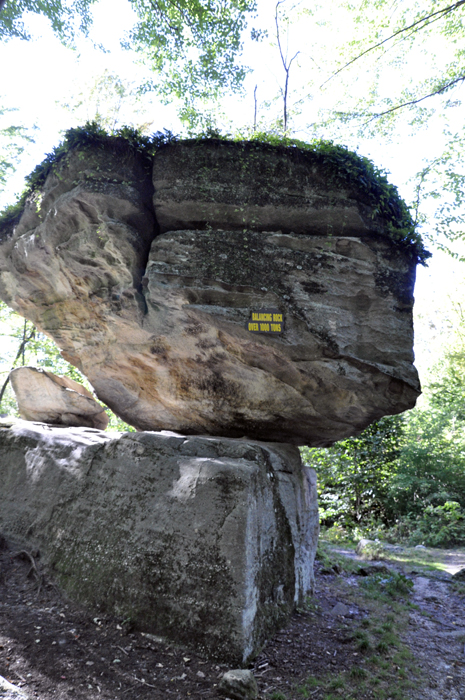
[(238, 684), (232, 186), (373, 549), (8, 691), (459, 575), (158, 323), (205, 541), (48, 398)]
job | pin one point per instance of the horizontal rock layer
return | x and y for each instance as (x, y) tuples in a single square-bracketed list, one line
[(158, 322), (254, 186), (203, 541)]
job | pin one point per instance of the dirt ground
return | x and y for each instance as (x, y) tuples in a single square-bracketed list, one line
[(55, 651)]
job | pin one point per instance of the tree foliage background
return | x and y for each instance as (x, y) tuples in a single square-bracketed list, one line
[(404, 476)]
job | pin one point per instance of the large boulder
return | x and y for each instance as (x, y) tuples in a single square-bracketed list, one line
[(207, 542), (43, 396), (260, 294)]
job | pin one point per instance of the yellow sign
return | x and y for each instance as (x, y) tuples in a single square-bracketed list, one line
[(266, 321)]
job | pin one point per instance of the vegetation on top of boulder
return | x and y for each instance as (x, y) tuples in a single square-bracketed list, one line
[(91, 135), (340, 165)]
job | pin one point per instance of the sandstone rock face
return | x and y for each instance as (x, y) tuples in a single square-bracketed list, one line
[(229, 186), (45, 397), (74, 262), (152, 301), (205, 541)]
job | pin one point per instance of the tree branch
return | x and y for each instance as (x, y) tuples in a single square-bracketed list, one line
[(439, 91), (24, 342), (286, 64), (162, 14), (2, 390), (423, 175), (255, 109), (20, 352), (278, 38), (441, 13)]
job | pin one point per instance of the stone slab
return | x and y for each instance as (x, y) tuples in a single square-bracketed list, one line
[(8, 691), (45, 397)]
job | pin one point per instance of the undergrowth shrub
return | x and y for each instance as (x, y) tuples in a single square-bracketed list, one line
[(436, 526)]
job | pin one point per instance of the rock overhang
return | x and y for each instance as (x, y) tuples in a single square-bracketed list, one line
[(148, 291)]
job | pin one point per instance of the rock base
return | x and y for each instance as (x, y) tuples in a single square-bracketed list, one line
[(204, 541)]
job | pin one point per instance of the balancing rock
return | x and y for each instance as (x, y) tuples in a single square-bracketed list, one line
[(226, 289)]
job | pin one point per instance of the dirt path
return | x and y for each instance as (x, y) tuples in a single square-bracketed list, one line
[(52, 650), (449, 560), (436, 633), (436, 637)]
